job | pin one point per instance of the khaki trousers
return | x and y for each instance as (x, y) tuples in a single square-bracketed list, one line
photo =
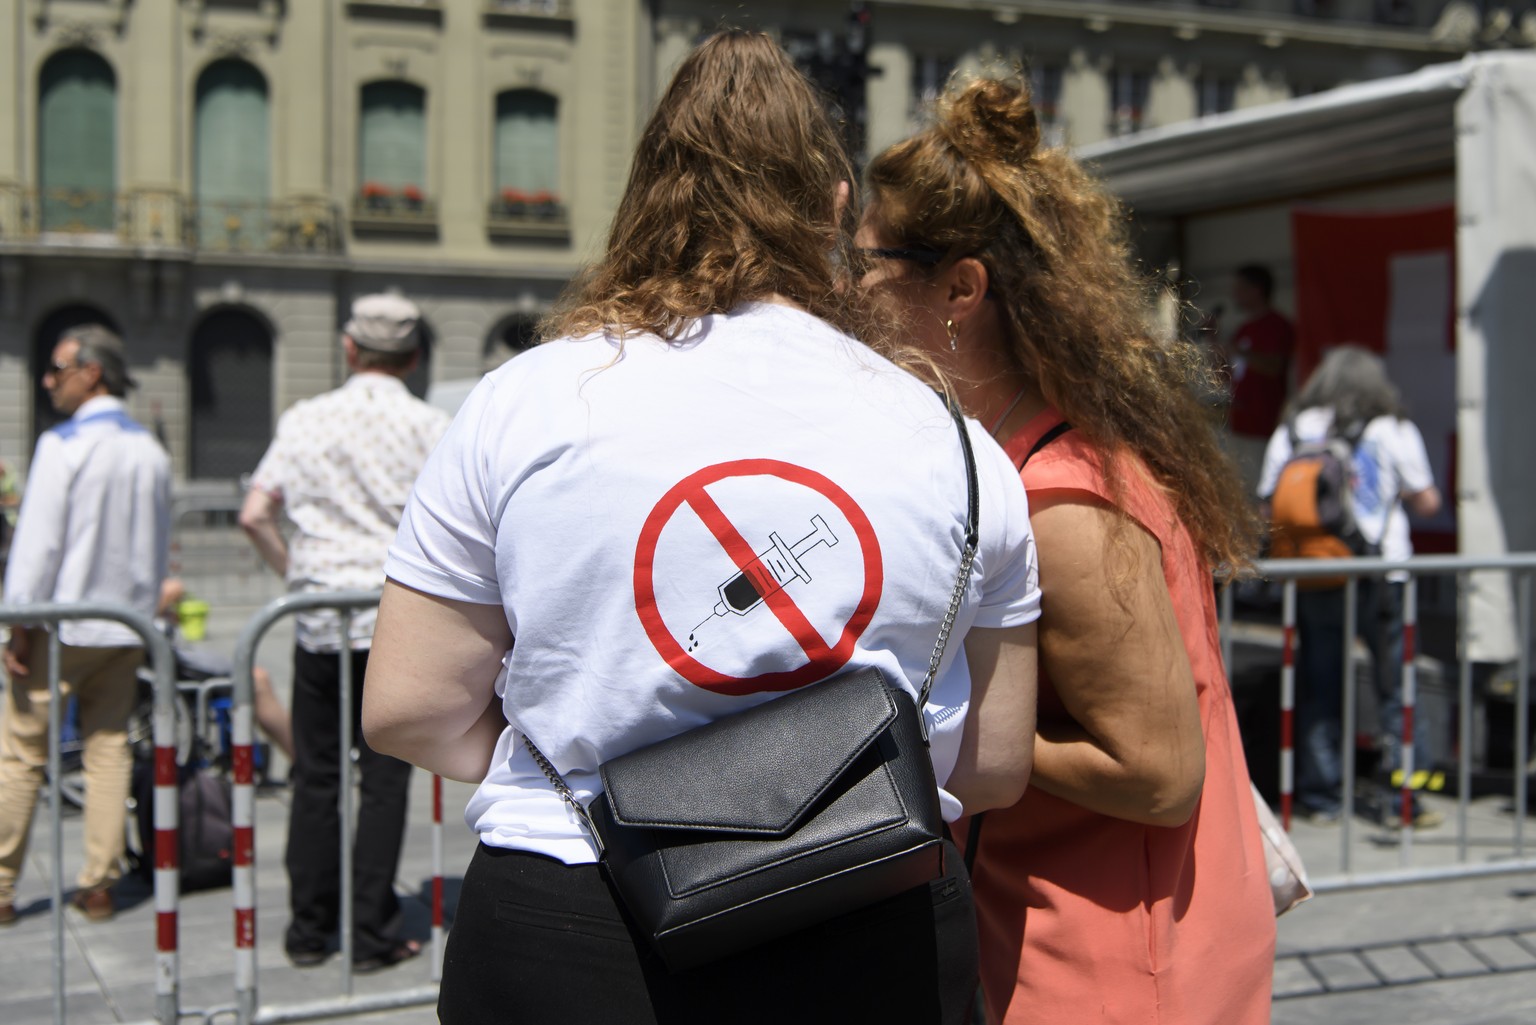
[(104, 685)]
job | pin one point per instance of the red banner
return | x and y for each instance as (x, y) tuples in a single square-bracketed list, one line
[(1344, 275), (1387, 281)]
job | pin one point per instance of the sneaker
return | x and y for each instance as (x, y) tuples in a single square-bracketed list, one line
[(1424, 818), (95, 903), (1323, 816)]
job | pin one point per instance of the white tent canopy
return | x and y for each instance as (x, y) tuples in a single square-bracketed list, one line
[(1474, 119), (1387, 128)]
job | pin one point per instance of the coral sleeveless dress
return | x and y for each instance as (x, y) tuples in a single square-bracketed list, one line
[(1087, 918)]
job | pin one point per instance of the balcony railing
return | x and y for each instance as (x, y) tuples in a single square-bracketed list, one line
[(539, 215), (244, 226), (536, 8), (30, 214), (160, 217), (390, 212)]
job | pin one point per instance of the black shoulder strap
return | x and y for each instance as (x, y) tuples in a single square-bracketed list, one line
[(973, 842), (1045, 439), (973, 500)]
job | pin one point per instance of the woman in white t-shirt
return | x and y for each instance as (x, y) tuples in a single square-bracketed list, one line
[(1349, 395), (702, 492)]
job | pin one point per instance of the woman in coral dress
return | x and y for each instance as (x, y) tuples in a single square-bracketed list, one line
[(1128, 885)]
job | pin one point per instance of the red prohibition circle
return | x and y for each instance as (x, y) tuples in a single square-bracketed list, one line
[(822, 660)]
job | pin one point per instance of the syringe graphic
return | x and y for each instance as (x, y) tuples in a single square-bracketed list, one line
[(771, 571)]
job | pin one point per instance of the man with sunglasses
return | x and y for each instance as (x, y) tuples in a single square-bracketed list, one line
[(94, 527)]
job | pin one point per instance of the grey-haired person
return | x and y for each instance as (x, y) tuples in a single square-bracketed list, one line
[(94, 527), (340, 467), (1350, 396)]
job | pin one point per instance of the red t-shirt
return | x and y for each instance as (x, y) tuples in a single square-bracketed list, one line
[(1258, 394)]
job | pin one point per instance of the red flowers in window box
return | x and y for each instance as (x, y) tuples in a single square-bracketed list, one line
[(412, 194), (374, 190), (514, 202)]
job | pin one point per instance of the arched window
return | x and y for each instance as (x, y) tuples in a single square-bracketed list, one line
[(233, 159), (392, 142), (77, 142), (43, 341), (527, 147), (231, 370)]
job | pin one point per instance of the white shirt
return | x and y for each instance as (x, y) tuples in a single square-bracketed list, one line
[(1390, 461), (95, 522), (342, 463), (608, 498)]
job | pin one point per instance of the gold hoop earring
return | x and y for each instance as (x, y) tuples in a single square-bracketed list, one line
[(954, 335)]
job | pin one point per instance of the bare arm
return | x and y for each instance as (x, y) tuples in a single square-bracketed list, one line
[(18, 652), (997, 747), (258, 518), (1423, 504), (430, 695), (1131, 744)]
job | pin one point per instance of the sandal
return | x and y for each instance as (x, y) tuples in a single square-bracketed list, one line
[(307, 958), (402, 951)]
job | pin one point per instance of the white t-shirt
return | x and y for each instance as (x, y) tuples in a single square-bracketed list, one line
[(678, 531), (1390, 461)]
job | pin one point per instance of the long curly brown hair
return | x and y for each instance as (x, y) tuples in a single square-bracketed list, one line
[(978, 183), (731, 198)]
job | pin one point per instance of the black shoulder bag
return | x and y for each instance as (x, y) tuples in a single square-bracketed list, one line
[(776, 819)]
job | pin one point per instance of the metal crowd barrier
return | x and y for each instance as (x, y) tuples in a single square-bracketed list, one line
[(242, 717), (167, 880), (1289, 574)]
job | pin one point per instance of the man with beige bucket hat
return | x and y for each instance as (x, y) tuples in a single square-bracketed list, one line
[(341, 466)]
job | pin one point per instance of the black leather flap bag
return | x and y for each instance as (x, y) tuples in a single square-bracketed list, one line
[(757, 826), (791, 813)]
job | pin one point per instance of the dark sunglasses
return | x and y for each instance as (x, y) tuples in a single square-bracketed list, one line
[(926, 257)]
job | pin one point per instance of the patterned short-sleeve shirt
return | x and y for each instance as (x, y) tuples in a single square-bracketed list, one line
[(342, 464)]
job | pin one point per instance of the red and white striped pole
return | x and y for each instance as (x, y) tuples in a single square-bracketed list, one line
[(242, 728), (1410, 703), (437, 878), (242, 742), (167, 850), (1287, 702)]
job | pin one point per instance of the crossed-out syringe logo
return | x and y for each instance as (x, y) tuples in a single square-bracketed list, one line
[(770, 572), (774, 616)]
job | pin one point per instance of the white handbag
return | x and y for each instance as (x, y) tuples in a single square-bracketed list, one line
[(1287, 874)]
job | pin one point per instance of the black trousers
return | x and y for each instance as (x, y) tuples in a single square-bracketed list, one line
[(537, 942), (314, 819)]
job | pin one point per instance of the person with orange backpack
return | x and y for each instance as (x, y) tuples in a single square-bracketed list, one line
[(1341, 475)]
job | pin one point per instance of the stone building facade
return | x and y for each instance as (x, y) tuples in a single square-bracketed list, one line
[(217, 179)]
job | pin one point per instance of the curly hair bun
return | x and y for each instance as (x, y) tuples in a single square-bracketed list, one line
[(992, 119)]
